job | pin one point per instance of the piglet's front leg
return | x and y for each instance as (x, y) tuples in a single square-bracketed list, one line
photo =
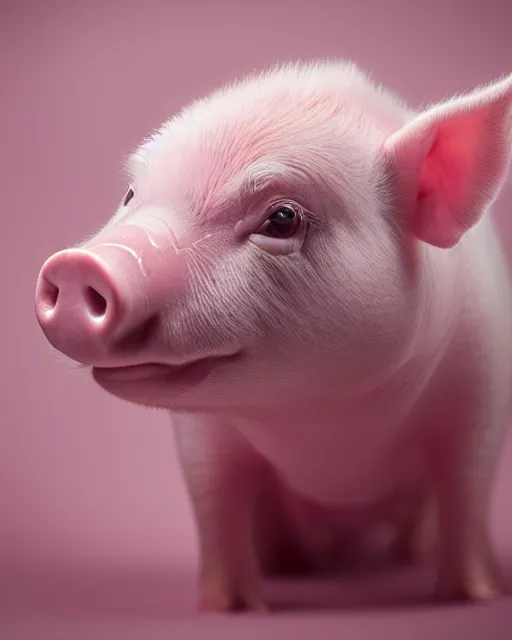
[(223, 476), (463, 454)]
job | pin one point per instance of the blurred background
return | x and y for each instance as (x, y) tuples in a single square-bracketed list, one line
[(93, 513)]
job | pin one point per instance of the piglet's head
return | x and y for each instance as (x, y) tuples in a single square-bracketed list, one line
[(266, 250)]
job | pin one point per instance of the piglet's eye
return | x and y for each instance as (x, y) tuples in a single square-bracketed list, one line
[(129, 195), (284, 222)]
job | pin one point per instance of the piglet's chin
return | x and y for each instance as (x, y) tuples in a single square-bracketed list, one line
[(151, 378), (138, 372)]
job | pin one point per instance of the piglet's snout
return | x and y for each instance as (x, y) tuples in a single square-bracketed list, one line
[(78, 304), (99, 302)]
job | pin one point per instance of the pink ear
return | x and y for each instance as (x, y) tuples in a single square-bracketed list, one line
[(450, 162)]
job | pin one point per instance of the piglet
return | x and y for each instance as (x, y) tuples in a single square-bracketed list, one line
[(305, 274)]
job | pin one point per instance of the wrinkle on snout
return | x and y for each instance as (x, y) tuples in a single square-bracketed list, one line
[(131, 251)]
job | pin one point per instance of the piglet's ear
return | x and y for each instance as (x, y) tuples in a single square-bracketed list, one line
[(450, 162)]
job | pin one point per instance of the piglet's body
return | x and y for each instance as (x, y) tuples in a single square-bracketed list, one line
[(305, 273)]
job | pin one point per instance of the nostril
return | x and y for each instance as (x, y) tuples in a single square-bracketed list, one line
[(49, 295), (96, 303)]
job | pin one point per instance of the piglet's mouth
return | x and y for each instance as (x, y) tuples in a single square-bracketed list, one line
[(193, 371)]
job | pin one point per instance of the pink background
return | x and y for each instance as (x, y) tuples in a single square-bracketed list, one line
[(96, 536)]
